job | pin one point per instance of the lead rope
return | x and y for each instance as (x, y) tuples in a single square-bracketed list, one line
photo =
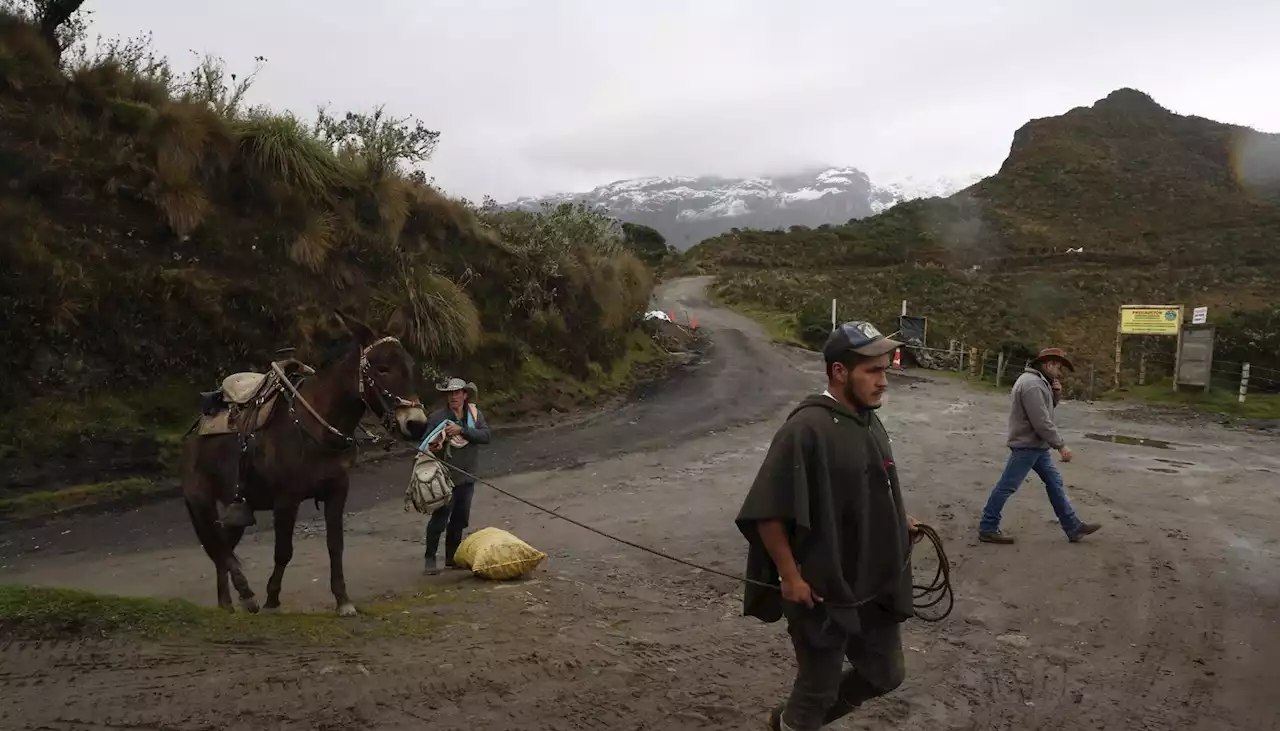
[(924, 596)]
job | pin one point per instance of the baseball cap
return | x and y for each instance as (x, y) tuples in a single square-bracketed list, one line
[(859, 337)]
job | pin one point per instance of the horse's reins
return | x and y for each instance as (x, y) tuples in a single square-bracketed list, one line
[(939, 587), (381, 393)]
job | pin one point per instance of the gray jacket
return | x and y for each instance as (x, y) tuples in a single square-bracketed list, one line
[(468, 457), (1031, 416)]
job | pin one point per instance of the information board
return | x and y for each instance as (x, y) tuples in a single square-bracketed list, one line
[(1145, 320)]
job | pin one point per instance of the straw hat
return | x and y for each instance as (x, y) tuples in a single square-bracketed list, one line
[(457, 384)]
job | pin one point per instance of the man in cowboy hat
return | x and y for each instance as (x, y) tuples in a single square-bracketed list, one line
[(464, 428), (1031, 435)]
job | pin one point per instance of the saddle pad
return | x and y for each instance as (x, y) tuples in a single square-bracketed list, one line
[(231, 421), (240, 388)]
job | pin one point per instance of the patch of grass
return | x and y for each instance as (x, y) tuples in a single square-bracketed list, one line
[(1219, 399), (49, 502), (641, 350), (988, 383), (47, 425), (781, 327), (538, 377), (32, 612)]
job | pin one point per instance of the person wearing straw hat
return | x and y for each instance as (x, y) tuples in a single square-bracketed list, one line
[(453, 435), (1032, 433)]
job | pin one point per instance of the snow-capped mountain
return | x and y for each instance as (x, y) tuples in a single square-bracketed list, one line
[(887, 196), (687, 210)]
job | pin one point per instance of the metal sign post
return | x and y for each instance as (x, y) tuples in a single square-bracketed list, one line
[(1195, 358)]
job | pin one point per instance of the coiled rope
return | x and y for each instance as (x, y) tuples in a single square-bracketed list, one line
[(924, 596)]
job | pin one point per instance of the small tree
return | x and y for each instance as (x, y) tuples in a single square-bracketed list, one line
[(61, 22), (384, 144), (211, 83), (647, 243)]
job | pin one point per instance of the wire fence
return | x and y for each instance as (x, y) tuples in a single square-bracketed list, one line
[(1002, 367)]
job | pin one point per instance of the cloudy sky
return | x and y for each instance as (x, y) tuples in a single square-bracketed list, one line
[(537, 96)]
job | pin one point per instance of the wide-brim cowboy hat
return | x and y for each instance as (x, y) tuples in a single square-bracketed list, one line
[(457, 384), (1054, 353)]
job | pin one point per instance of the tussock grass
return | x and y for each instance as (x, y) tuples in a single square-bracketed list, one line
[(193, 237), (281, 148)]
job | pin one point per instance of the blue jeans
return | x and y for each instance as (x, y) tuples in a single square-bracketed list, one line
[(1021, 463)]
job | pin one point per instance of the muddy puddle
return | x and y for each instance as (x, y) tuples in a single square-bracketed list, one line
[(1132, 441)]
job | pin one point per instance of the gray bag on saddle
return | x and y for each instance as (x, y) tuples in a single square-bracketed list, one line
[(430, 485)]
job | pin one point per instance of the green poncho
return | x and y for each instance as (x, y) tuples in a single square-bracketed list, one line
[(830, 477)]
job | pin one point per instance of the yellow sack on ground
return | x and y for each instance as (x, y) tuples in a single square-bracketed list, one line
[(493, 553)]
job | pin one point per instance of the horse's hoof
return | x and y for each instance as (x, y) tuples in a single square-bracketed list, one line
[(228, 608), (271, 610), (347, 610), (250, 605)]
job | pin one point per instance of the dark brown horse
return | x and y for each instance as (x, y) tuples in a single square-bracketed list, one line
[(288, 444)]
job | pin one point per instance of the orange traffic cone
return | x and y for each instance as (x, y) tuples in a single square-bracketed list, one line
[(897, 359), (693, 323)]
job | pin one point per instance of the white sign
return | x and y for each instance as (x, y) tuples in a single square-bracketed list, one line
[(1199, 315)]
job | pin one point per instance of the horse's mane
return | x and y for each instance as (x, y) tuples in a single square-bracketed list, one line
[(334, 351)]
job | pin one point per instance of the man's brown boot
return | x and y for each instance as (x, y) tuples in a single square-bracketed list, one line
[(995, 537), (1084, 530)]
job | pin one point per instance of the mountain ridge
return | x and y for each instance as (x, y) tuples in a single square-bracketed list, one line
[(1119, 202), (687, 209)]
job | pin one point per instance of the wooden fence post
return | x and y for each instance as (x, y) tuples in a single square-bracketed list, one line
[(973, 365), (982, 365), (1093, 382), (999, 368), (1142, 369), (1244, 381)]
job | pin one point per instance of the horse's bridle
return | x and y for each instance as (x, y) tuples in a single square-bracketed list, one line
[(389, 402)]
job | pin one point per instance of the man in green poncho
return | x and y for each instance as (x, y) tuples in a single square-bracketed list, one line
[(826, 526)]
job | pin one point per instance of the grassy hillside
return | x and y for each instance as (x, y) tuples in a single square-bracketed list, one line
[(155, 235), (1166, 209)]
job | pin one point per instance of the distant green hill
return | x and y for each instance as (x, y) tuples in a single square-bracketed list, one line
[(1123, 202)]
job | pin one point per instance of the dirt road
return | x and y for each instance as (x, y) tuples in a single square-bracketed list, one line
[(1168, 618), (739, 378)]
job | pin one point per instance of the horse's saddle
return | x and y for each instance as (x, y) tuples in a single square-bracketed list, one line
[(245, 401)]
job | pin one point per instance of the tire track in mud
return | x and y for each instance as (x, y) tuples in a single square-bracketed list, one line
[(1169, 690), (1158, 684), (110, 684), (1181, 630)]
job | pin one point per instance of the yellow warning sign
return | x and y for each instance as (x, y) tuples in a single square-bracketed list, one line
[(1144, 320)]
